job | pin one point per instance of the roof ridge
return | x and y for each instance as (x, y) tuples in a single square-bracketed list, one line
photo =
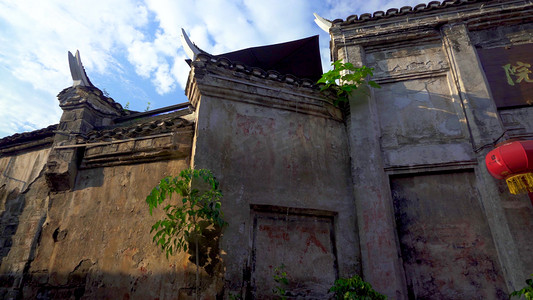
[(422, 7), (256, 71), (145, 127), (28, 136)]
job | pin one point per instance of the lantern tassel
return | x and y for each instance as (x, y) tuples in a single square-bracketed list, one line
[(520, 183)]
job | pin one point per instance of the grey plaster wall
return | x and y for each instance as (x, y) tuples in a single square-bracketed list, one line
[(420, 124), (446, 245), (517, 121), (299, 242), (519, 212), (18, 171), (435, 113), (402, 61), (283, 159), (395, 190)]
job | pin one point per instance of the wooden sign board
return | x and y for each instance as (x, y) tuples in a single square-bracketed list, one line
[(509, 71)]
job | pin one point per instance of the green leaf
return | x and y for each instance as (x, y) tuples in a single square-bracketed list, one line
[(173, 232), (373, 84), (344, 85)]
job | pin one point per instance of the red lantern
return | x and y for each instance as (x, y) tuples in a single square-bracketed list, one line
[(513, 162)]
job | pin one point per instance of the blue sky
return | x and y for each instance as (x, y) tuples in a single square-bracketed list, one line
[(132, 49)]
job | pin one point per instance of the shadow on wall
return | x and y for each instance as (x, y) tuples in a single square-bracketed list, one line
[(209, 251), (86, 283), (9, 219), (89, 178), (88, 280)]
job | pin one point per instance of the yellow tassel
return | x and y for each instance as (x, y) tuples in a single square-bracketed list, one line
[(520, 183)]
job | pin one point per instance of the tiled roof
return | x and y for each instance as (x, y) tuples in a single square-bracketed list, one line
[(139, 127), (19, 138), (254, 71), (149, 126), (301, 58), (433, 5), (27, 140)]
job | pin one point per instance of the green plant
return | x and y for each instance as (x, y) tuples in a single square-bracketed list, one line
[(126, 108), (233, 296), (526, 291), (280, 277), (355, 288), (345, 78), (200, 201), (148, 106)]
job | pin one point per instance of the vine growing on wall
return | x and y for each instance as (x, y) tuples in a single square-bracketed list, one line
[(199, 202), (344, 78)]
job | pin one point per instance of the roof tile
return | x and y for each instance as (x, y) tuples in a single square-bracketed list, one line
[(254, 71), (403, 10)]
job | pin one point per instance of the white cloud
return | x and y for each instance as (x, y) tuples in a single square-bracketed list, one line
[(167, 43), (163, 80), (144, 57), (34, 39), (180, 70), (25, 109), (115, 35), (273, 22)]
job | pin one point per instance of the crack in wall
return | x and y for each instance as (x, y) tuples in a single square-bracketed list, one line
[(12, 178), (17, 278)]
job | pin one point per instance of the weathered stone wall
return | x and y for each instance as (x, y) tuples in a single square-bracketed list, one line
[(18, 172), (445, 240), (518, 124), (394, 188), (280, 153), (24, 199), (92, 240), (427, 130), (96, 240), (279, 150)]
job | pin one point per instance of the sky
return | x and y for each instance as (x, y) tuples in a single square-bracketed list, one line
[(132, 49)]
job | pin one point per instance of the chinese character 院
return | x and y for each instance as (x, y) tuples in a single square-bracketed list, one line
[(520, 71)]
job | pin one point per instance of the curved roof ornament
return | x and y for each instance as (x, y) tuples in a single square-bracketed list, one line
[(322, 23), (189, 47), (79, 77)]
